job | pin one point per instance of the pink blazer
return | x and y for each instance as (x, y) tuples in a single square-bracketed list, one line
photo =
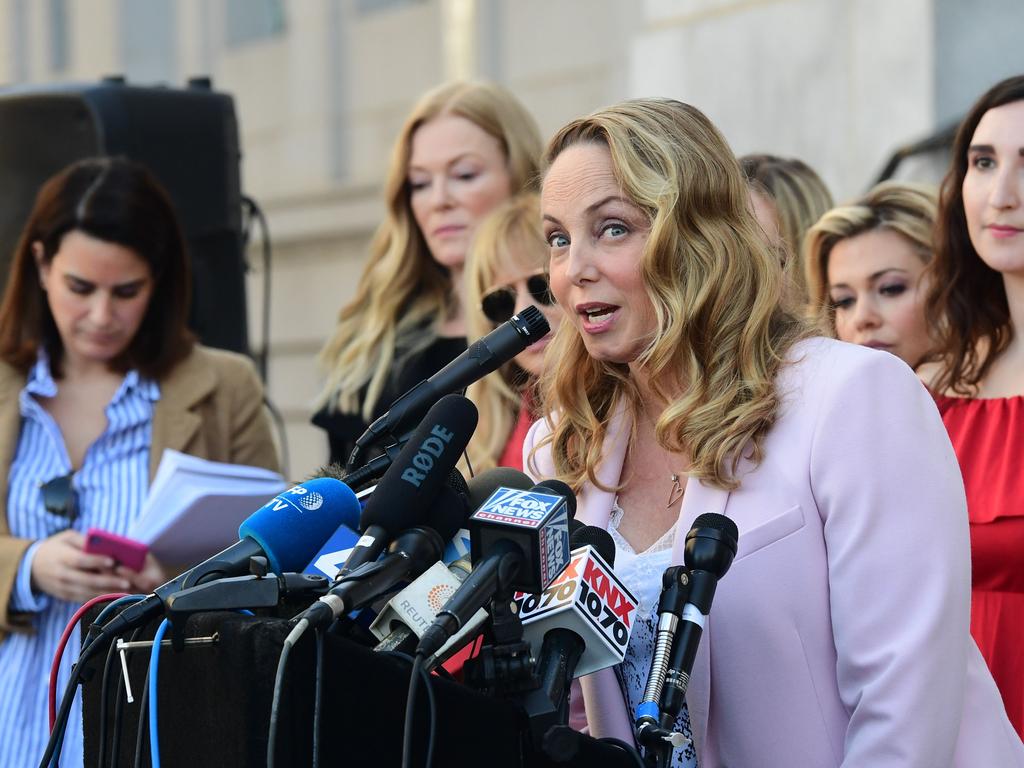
[(839, 636)]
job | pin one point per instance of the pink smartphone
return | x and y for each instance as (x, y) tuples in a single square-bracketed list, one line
[(127, 552)]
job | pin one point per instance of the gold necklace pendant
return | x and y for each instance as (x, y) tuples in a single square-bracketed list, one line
[(676, 493)]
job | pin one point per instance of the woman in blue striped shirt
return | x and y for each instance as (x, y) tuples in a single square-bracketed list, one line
[(98, 375)]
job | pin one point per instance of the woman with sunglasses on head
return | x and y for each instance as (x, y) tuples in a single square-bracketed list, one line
[(685, 386), (98, 375), (976, 304), (464, 149), (505, 273)]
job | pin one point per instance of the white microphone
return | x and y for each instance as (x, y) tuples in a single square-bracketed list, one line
[(581, 623), (588, 599)]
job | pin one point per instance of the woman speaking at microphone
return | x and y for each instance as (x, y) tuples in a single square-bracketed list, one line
[(465, 149), (98, 375), (839, 637)]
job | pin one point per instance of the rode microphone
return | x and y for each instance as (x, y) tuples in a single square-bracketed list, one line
[(286, 531), (407, 615), (520, 540), (581, 623), (414, 479), (412, 552), (482, 357)]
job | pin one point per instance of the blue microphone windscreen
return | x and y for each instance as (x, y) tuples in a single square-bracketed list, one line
[(291, 527)]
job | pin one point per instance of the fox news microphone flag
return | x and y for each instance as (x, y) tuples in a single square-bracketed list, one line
[(519, 540)]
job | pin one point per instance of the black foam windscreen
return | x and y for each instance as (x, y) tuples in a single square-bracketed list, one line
[(422, 466), (448, 513), (560, 489), (598, 538), (188, 138), (486, 483)]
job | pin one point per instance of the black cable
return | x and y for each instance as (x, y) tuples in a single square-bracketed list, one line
[(255, 212), (252, 211), (275, 705), (104, 695), (282, 434), (629, 749), (410, 709), (60, 723), (115, 745), (318, 698), (140, 736), (416, 674), (432, 714)]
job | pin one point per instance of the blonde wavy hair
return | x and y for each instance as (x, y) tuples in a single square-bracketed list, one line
[(403, 293), (905, 208), (715, 286), (510, 235), (800, 198)]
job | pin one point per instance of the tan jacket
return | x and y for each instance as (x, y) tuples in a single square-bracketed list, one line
[(210, 406)]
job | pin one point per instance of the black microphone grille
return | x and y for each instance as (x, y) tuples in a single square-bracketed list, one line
[(486, 483), (457, 482), (531, 323), (448, 513), (719, 522), (559, 488), (598, 538)]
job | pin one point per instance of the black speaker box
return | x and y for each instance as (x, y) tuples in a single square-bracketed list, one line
[(188, 137)]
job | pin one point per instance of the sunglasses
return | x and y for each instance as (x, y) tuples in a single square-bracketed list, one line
[(59, 497), (500, 304)]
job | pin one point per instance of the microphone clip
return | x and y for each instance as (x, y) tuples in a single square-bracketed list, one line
[(506, 666)]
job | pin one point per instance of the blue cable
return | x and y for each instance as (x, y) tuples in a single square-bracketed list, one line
[(154, 667)]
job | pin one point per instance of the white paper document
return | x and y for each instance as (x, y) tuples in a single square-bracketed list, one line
[(195, 506)]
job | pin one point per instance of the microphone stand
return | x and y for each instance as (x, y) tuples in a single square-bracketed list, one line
[(505, 666), (654, 727)]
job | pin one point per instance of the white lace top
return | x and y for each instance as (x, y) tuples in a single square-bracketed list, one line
[(641, 572)]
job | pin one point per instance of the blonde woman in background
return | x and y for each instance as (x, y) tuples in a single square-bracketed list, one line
[(464, 149), (866, 265), (506, 272), (787, 197)]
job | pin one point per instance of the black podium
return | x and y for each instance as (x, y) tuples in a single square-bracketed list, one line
[(214, 707)]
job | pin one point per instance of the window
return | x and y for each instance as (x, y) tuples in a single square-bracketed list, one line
[(58, 34), (249, 21)]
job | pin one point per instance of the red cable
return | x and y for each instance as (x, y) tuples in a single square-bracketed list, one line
[(63, 643)]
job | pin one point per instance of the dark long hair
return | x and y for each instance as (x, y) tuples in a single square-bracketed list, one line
[(117, 201), (967, 303)]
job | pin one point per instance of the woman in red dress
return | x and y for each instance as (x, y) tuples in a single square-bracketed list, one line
[(977, 305)]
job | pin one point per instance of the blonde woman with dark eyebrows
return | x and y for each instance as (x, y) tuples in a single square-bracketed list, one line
[(464, 149)]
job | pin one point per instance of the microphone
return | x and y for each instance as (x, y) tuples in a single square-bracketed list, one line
[(520, 540), (412, 552), (286, 531), (414, 479), (707, 554), (483, 356), (581, 623), (407, 615)]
